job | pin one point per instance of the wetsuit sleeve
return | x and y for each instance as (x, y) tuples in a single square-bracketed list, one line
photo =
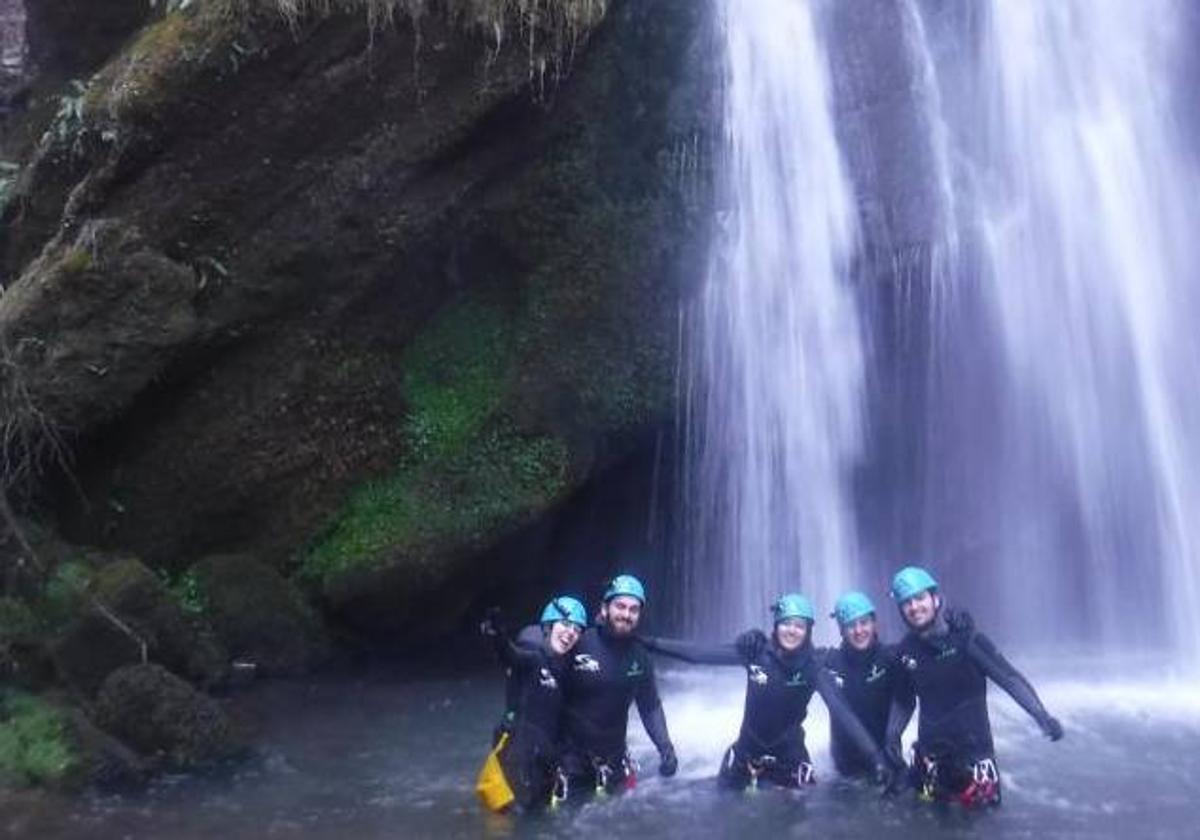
[(904, 703), (984, 654), (650, 710), (840, 711), (514, 655), (697, 654)]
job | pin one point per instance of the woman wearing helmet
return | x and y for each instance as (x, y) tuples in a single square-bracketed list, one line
[(782, 673), (527, 753)]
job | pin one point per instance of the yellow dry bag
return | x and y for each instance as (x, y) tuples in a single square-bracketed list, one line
[(492, 787)]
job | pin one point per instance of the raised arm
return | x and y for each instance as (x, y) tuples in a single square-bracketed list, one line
[(984, 654), (514, 654)]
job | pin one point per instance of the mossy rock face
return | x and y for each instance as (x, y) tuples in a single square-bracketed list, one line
[(158, 714), (183, 642), (24, 659), (35, 742), (90, 323), (425, 307), (94, 645), (259, 616)]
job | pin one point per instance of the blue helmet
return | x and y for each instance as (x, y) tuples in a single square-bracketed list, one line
[(792, 605), (911, 581), (851, 607), (565, 608), (625, 585)]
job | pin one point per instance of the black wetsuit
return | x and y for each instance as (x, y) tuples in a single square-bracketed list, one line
[(531, 636), (779, 685), (867, 680), (947, 671), (604, 674), (530, 756)]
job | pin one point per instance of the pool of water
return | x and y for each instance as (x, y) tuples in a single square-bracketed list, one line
[(388, 753)]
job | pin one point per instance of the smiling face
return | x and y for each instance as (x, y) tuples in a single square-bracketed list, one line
[(791, 633), (563, 636), (860, 633), (621, 614), (920, 610)]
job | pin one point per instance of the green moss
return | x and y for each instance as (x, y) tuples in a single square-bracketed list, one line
[(186, 591), (497, 482), (34, 747), (17, 621), (76, 261), (64, 593), (454, 377)]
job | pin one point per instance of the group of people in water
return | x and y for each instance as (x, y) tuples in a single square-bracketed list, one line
[(570, 686)]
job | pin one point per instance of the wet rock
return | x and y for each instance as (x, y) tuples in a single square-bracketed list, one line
[(88, 325), (23, 658), (106, 762), (90, 649), (158, 714), (179, 640), (94, 645), (259, 616)]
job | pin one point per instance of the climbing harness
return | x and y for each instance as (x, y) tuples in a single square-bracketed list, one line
[(984, 788)]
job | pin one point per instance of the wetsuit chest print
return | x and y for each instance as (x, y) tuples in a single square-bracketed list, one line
[(585, 662)]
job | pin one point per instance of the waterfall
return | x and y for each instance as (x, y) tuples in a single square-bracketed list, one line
[(1076, 184), (775, 408)]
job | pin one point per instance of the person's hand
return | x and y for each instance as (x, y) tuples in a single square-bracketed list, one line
[(751, 644), (667, 762), (492, 624), (1051, 728)]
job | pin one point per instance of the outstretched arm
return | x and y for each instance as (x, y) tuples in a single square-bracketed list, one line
[(650, 710), (693, 652), (984, 654)]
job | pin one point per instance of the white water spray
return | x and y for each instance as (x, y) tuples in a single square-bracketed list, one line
[(1077, 184), (776, 425)]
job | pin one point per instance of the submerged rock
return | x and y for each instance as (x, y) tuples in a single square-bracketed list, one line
[(259, 616), (158, 714)]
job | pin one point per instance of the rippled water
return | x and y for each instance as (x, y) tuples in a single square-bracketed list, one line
[(388, 755)]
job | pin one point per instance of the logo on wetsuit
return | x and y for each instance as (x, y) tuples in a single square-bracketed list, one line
[(909, 662), (635, 669), (757, 675), (946, 653), (585, 662), (838, 679), (875, 673), (796, 680), (546, 679)]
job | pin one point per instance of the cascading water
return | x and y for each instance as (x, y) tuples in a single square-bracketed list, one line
[(1078, 190), (775, 424)]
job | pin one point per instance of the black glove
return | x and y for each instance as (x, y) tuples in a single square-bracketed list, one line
[(751, 644), (959, 621), (667, 762), (1051, 728), (492, 624)]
